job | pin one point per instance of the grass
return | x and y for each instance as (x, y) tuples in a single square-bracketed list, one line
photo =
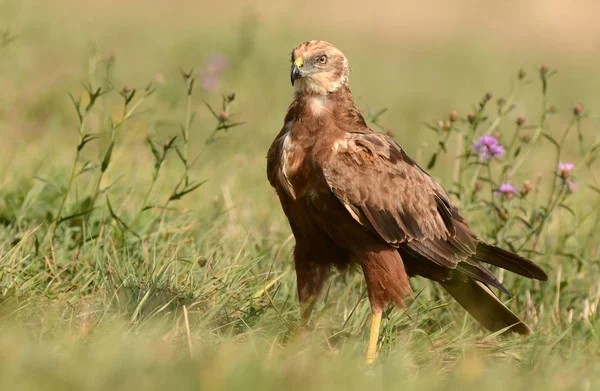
[(141, 246)]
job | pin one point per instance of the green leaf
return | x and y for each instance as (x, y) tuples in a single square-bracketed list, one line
[(517, 152), (442, 146), (432, 161), (107, 156), (87, 166), (120, 222), (375, 117), (231, 125), (211, 110), (169, 144), (93, 96), (594, 188), (77, 104), (178, 195), (432, 127), (154, 149), (551, 139), (522, 220), (191, 86), (129, 97), (76, 215), (181, 157), (86, 139), (568, 209)]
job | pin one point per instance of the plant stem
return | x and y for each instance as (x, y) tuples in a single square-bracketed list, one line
[(557, 160), (71, 180), (114, 133)]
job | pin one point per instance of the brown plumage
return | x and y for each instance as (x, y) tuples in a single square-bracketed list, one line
[(353, 196)]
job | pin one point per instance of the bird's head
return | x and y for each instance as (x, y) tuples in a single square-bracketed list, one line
[(318, 68)]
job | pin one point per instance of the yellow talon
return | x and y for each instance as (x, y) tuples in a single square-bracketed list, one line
[(374, 336)]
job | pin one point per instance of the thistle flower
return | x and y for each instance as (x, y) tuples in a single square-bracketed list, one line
[(488, 147), (210, 82), (507, 190), (565, 169), (215, 64)]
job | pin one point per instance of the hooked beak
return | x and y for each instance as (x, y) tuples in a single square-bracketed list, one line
[(296, 72)]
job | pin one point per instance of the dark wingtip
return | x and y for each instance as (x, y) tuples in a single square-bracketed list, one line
[(507, 260)]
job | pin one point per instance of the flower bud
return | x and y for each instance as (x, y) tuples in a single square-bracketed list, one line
[(527, 187), (186, 75), (453, 116), (520, 120)]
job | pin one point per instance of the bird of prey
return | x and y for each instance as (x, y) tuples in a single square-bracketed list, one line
[(354, 197)]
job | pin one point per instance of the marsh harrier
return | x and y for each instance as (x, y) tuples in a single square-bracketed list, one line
[(353, 196)]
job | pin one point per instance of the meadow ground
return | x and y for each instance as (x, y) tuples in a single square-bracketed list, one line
[(126, 262)]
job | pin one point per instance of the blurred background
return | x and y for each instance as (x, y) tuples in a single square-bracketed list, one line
[(86, 292), (420, 60)]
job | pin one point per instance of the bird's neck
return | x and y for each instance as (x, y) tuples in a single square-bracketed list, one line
[(337, 106), (343, 92)]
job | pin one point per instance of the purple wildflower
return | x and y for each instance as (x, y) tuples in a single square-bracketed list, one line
[(210, 82), (488, 147), (572, 186), (565, 169), (506, 189), (215, 64)]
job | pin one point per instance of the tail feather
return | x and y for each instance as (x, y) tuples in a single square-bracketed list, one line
[(506, 260), (479, 301)]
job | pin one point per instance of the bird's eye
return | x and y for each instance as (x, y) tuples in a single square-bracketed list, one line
[(323, 59)]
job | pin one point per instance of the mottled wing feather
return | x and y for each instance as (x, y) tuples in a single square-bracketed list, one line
[(390, 194)]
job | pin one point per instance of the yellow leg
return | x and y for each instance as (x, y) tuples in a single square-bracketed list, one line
[(374, 336)]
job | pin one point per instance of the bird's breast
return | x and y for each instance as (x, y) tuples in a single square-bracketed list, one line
[(300, 170)]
